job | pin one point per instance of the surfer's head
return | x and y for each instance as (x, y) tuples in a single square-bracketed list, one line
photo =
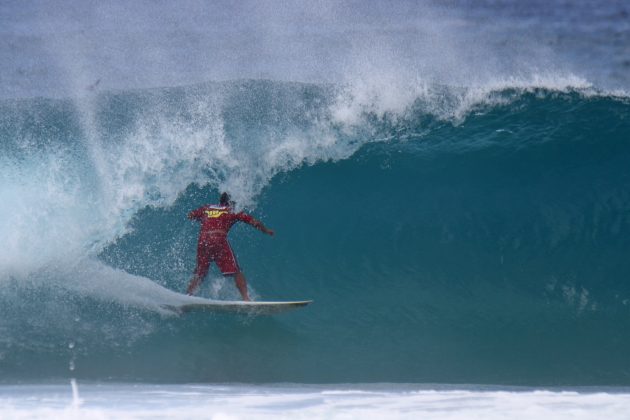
[(225, 199)]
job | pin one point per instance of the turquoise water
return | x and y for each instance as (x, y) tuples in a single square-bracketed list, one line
[(476, 242)]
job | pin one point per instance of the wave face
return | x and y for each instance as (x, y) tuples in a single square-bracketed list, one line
[(463, 237)]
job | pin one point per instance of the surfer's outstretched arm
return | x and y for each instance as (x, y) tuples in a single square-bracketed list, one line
[(259, 225), (250, 220)]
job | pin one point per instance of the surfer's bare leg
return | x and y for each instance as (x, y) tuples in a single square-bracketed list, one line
[(241, 285), (201, 270), (194, 285)]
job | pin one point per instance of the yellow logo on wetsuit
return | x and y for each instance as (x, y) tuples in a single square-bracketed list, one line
[(213, 214)]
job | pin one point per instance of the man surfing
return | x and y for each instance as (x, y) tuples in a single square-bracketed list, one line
[(216, 221)]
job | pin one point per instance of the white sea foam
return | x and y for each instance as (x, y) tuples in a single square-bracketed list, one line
[(374, 95), (93, 278), (43, 214), (124, 401)]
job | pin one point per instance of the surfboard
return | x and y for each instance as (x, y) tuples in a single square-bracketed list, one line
[(237, 307)]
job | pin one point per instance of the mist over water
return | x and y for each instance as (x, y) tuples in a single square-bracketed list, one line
[(448, 183), (61, 49)]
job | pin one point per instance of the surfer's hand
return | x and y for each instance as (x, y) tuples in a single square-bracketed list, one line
[(269, 232)]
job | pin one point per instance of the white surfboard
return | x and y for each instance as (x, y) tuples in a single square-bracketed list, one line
[(238, 307)]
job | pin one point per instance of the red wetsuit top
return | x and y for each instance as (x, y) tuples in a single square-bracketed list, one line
[(213, 245)]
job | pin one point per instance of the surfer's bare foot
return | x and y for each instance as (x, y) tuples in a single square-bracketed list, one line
[(194, 284)]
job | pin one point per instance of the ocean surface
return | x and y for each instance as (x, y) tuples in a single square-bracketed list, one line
[(448, 181)]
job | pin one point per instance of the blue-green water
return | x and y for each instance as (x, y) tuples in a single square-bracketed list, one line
[(459, 237)]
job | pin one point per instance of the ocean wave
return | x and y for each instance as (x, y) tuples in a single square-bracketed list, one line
[(445, 233)]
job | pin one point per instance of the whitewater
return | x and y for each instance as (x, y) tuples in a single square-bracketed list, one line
[(448, 183)]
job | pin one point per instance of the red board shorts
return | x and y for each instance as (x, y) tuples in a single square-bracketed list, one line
[(215, 249)]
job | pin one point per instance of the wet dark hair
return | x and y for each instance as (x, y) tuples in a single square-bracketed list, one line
[(225, 199)]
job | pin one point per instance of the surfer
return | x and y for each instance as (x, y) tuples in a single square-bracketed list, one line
[(216, 221)]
